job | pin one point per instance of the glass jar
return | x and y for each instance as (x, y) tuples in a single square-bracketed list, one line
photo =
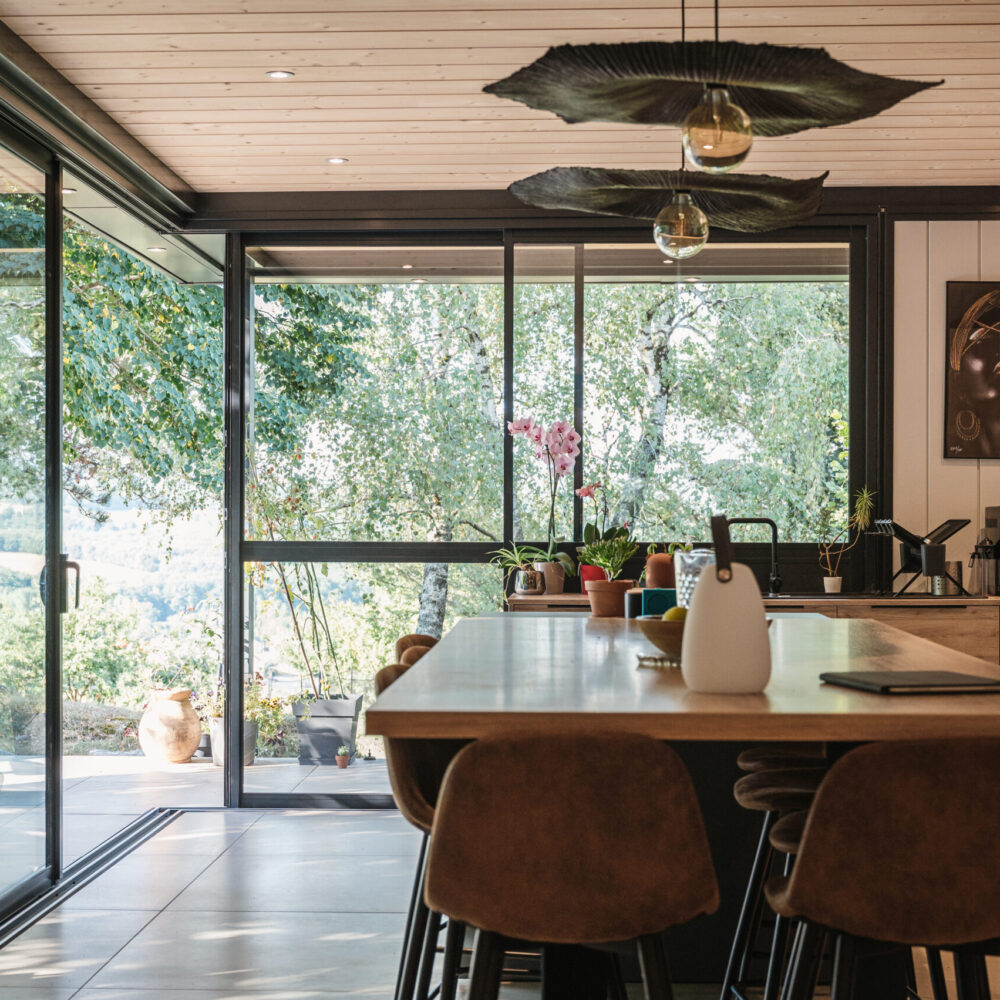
[(688, 567)]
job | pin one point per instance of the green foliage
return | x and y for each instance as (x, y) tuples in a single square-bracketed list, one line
[(610, 554), (515, 557)]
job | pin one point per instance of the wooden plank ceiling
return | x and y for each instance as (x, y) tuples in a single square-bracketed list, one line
[(394, 86)]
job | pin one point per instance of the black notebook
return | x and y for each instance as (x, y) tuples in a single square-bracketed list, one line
[(913, 682)]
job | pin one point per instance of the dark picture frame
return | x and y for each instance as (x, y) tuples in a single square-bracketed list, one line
[(972, 370)]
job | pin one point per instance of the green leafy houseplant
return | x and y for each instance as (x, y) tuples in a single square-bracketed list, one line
[(830, 553), (514, 557), (343, 751), (610, 554)]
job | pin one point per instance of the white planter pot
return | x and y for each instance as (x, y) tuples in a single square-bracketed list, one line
[(831, 584)]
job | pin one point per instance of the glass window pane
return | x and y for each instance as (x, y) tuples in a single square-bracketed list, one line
[(722, 386), (543, 385), (22, 520), (377, 403), (323, 631)]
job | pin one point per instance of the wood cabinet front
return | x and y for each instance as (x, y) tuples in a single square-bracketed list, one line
[(969, 629)]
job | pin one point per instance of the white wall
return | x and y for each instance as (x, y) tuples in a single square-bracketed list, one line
[(927, 488)]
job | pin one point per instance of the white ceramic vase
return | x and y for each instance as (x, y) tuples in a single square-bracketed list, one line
[(726, 649)]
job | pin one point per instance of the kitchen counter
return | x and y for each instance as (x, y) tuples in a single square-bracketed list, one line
[(966, 624)]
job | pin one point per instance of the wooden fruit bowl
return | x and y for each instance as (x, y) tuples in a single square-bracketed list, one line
[(665, 636)]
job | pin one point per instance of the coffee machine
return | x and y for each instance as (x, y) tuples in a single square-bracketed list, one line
[(984, 565)]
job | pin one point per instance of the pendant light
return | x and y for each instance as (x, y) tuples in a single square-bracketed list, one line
[(681, 229), (717, 134)]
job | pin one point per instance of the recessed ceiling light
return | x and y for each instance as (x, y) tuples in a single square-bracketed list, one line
[(407, 267), (418, 281), (156, 249), (279, 74), (69, 190), (336, 159)]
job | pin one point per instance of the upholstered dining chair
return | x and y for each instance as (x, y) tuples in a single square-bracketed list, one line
[(409, 648), (526, 846), (899, 850), (416, 769)]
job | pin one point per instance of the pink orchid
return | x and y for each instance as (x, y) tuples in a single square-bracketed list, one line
[(574, 438), (563, 464), (586, 491), (536, 435), (521, 425), (560, 427)]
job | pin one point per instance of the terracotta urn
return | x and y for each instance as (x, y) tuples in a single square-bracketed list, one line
[(170, 730), (554, 574), (660, 570), (607, 597)]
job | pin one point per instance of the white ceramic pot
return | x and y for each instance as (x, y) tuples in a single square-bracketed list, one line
[(170, 730), (831, 584)]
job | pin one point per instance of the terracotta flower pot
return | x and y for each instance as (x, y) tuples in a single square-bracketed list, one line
[(555, 576), (170, 730), (343, 760), (588, 574), (660, 570), (607, 597)]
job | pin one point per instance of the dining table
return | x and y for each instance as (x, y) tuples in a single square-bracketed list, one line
[(503, 674)]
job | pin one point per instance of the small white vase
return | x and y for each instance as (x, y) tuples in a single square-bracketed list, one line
[(831, 584)]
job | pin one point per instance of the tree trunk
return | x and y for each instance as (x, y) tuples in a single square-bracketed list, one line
[(434, 591), (662, 320), (487, 402)]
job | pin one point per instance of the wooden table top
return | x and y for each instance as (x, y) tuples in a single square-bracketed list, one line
[(576, 674)]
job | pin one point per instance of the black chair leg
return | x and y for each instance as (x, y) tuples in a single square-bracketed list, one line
[(655, 971), (971, 979), (416, 930), (454, 942), (845, 964), (779, 941), (803, 962), (487, 965), (935, 969), (428, 955), (616, 979), (743, 936)]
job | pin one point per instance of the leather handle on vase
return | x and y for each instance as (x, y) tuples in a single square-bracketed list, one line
[(723, 548)]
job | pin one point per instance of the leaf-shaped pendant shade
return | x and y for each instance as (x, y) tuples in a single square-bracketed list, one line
[(744, 203), (782, 89)]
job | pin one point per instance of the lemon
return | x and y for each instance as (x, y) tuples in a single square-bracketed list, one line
[(675, 614)]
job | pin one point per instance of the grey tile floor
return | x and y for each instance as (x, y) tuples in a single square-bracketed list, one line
[(237, 905)]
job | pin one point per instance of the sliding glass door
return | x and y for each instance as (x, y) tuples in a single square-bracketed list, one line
[(30, 569)]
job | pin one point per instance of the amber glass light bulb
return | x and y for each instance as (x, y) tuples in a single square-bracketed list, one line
[(717, 134), (681, 229)]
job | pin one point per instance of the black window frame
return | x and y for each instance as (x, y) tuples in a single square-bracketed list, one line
[(865, 568)]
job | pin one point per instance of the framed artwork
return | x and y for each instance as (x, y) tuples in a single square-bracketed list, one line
[(972, 370)]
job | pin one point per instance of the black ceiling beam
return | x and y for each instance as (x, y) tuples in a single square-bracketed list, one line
[(388, 210)]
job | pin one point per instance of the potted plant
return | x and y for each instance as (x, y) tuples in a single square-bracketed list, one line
[(325, 720), (607, 596), (263, 720), (830, 553), (659, 571), (596, 531), (518, 559), (343, 756), (558, 447)]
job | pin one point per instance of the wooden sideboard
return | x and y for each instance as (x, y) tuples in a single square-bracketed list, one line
[(968, 624)]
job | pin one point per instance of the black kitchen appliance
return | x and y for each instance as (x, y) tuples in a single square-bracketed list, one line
[(921, 556)]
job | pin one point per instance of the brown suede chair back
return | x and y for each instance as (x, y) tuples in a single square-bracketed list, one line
[(569, 839), (404, 642), (413, 653), (416, 767), (901, 845)]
